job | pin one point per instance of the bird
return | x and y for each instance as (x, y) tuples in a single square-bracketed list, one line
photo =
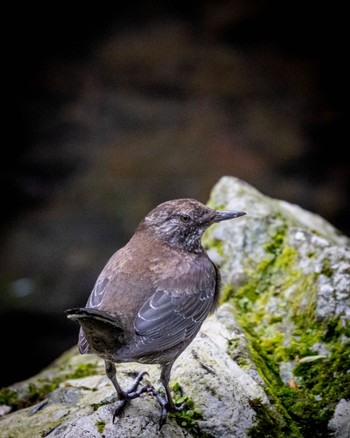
[(152, 296)]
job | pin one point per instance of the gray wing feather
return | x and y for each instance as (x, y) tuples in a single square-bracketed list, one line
[(94, 301), (98, 292), (83, 344), (165, 320)]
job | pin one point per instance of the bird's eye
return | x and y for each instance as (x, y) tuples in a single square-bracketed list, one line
[(185, 218)]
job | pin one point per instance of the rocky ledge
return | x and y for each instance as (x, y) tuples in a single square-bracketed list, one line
[(273, 361)]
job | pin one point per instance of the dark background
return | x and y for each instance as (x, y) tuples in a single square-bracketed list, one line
[(112, 110)]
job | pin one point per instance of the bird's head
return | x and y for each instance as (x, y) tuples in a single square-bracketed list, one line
[(182, 222)]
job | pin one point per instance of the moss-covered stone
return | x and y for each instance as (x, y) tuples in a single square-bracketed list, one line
[(276, 310), (188, 416), (100, 425), (37, 388), (269, 426)]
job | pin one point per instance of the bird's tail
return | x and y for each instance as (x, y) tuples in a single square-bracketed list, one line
[(101, 332)]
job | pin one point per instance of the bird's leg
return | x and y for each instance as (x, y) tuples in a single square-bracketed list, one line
[(167, 404), (129, 394)]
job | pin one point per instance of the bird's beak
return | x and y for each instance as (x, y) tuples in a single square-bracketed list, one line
[(225, 215)]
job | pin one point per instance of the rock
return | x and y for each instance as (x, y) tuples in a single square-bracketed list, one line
[(273, 361), (206, 372), (340, 423), (287, 273)]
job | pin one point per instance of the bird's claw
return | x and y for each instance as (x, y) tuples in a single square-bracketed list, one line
[(136, 382), (120, 407), (179, 408), (165, 406), (163, 417), (130, 394), (165, 409)]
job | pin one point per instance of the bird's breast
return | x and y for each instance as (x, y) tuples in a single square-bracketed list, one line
[(185, 274)]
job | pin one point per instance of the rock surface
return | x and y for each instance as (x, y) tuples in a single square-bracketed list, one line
[(273, 361), (205, 371)]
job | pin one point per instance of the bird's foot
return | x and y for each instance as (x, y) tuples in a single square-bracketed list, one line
[(166, 406), (130, 394), (136, 382)]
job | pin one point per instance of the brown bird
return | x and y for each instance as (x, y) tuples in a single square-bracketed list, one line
[(152, 296)]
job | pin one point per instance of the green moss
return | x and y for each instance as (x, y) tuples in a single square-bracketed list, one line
[(279, 299), (188, 416), (208, 241), (269, 425), (321, 381), (243, 362), (326, 268), (218, 245), (32, 394), (316, 375), (226, 293), (37, 390), (83, 370), (100, 425), (7, 396)]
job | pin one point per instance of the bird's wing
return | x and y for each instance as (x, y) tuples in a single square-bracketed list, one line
[(97, 292), (166, 320), (94, 301)]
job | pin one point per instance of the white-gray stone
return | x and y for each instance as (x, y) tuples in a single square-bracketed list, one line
[(339, 425)]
